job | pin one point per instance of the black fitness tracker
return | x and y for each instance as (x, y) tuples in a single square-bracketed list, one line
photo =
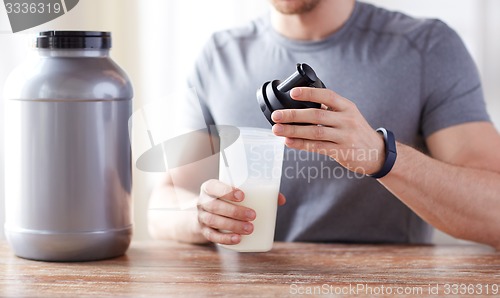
[(390, 153)]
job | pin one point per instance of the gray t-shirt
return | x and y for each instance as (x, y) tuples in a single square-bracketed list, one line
[(411, 76)]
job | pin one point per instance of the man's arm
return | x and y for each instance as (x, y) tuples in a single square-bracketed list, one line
[(167, 220), (172, 205), (457, 191), (190, 206)]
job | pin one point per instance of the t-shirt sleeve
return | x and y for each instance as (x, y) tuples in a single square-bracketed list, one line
[(194, 108), (452, 91)]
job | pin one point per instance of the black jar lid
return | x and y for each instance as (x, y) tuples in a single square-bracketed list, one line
[(73, 40)]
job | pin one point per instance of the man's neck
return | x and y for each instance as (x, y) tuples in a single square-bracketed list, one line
[(325, 19)]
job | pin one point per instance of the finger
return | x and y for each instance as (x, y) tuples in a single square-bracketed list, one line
[(309, 132), (321, 95), (229, 210), (223, 223), (314, 116), (218, 237), (281, 199), (217, 189)]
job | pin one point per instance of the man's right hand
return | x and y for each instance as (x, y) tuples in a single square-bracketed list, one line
[(215, 213)]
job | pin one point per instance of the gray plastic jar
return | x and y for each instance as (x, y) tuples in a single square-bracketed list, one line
[(67, 151)]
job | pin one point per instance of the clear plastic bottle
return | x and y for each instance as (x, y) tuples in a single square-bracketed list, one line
[(67, 151)]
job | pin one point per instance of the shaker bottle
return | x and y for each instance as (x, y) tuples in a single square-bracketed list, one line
[(275, 95), (67, 151), (253, 163)]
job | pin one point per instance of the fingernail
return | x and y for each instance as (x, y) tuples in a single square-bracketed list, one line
[(239, 195), (235, 239), (247, 228), (296, 92), (277, 128), (277, 116), (250, 214), (289, 141)]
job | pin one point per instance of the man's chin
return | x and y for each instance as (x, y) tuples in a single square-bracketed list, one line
[(294, 6)]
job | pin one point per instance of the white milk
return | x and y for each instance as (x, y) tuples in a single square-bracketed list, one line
[(262, 197), (253, 163)]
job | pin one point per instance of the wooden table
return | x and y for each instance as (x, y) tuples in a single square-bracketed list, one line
[(169, 269)]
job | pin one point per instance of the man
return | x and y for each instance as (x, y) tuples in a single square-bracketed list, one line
[(383, 69)]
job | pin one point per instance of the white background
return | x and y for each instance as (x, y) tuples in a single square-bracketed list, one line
[(157, 41)]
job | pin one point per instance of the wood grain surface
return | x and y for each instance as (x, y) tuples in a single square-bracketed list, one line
[(167, 269)]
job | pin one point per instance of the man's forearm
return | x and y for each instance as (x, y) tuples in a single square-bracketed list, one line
[(169, 218), (461, 201)]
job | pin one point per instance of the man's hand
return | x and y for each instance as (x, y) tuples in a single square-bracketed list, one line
[(216, 212), (341, 132)]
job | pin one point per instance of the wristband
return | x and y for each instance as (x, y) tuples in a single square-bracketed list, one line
[(390, 153)]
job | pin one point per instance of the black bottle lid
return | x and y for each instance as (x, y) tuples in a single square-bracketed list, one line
[(73, 40), (275, 95)]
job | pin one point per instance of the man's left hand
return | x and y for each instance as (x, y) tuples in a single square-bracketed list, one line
[(339, 130)]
